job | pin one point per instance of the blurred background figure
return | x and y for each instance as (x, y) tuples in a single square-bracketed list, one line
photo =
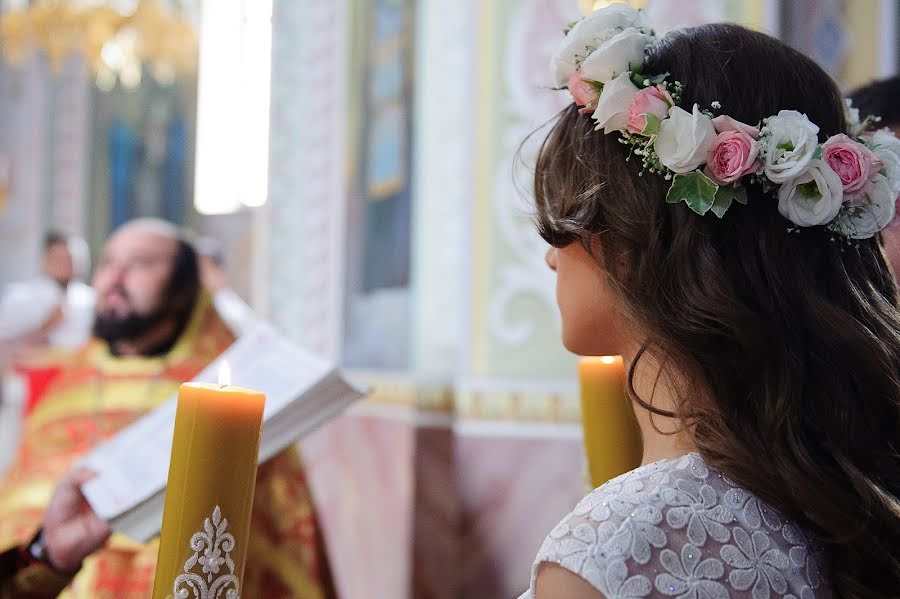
[(56, 308), (882, 98), (230, 306), (41, 321)]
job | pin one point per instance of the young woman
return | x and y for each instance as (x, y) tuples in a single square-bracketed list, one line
[(714, 216)]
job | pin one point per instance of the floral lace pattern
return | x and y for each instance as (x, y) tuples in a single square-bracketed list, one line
[(216, 543), (678, 528)]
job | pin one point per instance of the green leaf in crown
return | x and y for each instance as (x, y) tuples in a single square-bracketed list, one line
[(725, 195), (694, 189), (640, 80), (652, 125)]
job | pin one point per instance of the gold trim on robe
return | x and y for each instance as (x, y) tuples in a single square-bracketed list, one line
[(98, 394)]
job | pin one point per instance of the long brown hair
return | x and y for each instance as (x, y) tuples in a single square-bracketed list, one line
[(795, 337)]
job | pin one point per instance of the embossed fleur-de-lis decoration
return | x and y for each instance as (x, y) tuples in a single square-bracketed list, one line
[(212, 548)]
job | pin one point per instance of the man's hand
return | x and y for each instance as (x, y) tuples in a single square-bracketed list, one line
[(72, 531)]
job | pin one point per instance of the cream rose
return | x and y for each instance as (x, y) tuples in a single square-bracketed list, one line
[(813, 197), (789, 142), (621, 53), (685, 139), (614, 104), (886, 148), (863, 219), (591, 33)]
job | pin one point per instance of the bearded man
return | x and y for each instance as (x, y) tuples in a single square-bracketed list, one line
[(155, 328)]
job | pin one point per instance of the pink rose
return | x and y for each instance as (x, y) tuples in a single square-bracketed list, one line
[(653, 100), (583, 92), (733, 154), (853, 162), (725, 123)]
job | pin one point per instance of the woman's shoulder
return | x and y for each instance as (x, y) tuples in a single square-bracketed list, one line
[(677, 526)]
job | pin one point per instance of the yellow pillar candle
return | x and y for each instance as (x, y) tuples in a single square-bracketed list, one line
[(209, 496), (612, 439)]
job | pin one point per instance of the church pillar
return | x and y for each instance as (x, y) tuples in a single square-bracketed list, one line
[(360, 464), (444, 182), (70, 148), (443, 192), (307, 171), (25, 142), (517, 438)]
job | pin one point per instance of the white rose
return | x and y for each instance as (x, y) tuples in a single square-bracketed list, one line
[(890, 167), (612, 106), (589, 34), (884, 138), (864, 219), (684, 139), (616, 56), (886, 148), (789, 141), (814, 197)]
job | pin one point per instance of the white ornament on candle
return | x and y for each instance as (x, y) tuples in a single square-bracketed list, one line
[(216, 543)]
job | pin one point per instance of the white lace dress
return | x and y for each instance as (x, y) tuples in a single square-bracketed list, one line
[(677, 528)]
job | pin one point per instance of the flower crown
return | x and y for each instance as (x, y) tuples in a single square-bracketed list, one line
[(850, 184)]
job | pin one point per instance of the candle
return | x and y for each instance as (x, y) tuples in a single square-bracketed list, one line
[(612, 439), (209, 496)]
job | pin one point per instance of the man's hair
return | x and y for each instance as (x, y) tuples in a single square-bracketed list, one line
[(184, 284), (55, 238), (879, 98)]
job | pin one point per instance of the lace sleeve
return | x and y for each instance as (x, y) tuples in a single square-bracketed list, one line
[(683, 531), (606, 530)]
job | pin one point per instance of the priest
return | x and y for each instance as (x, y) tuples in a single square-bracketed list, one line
[(155, 328)]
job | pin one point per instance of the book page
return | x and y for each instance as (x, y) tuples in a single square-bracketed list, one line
[(133, 466)]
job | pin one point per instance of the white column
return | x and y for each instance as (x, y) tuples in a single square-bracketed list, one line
[(443, 182), (308, 171), (772, 17), (70, 146), (22, 223)]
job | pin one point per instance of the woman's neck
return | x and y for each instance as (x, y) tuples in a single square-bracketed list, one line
[(663, 436)]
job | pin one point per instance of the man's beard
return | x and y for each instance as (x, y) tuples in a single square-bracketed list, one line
[(172, 308), (112, 329)]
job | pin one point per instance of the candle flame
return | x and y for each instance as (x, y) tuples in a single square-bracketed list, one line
[(224, 373), (607, 359)]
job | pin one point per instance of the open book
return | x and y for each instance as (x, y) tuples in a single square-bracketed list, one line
[(302, 392)]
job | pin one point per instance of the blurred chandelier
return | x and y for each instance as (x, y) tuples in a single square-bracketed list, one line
[(116, 46)]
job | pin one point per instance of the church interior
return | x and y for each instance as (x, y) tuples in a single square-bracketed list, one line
[(357, 174)]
